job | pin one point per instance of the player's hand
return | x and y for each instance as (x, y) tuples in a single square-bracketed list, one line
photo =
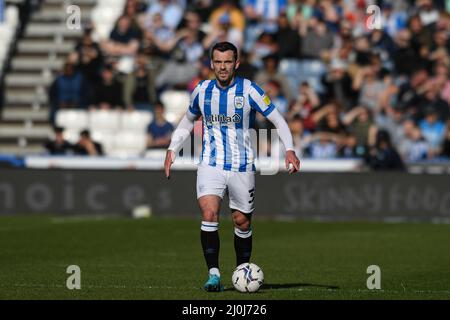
[(170, 157), (291, 158)]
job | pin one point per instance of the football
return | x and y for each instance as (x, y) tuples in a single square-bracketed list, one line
[(248, 277)]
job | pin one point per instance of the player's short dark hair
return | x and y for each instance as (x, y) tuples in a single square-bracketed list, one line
[(225, 46)]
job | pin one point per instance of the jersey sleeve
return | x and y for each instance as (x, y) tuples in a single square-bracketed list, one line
[(259, 100), (194, 107)]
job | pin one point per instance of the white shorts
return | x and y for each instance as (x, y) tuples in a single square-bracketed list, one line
[(239, 185)]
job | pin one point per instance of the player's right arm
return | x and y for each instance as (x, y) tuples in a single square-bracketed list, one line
[(183, 131)]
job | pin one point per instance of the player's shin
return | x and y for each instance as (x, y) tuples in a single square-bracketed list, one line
[(243, 245), (209, 236)]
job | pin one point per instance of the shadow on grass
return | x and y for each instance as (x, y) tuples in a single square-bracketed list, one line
[(275, 286)]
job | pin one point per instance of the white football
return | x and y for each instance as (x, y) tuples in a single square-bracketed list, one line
[(248, 277)]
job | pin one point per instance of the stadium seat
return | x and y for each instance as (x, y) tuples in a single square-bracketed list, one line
[(105, 139), (104, 16), (128, 143), (75, 120), (12, 16), (135, 120), (176, 104), (104, 120), (6, 32)]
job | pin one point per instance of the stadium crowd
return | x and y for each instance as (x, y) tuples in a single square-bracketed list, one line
[(346, 88)]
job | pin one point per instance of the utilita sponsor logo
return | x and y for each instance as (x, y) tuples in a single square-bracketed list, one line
[(222, 119)]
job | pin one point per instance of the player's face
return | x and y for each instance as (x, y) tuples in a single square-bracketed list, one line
[(224, 66)]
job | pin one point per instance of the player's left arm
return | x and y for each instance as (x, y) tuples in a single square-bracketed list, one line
[(286, 137), (261, 102)]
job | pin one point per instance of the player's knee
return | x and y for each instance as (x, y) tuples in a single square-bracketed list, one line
[(209, 215), (242, 223)]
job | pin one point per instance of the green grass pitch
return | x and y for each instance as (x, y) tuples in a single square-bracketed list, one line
[(160, 258)]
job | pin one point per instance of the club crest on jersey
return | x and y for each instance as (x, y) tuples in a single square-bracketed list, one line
[(239, 102)]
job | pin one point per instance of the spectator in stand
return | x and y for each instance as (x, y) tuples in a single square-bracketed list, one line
[(68, 90), (204, 73), (170, 11), (89, 57), (186, 39), (384, 156), (404, 137), (246, 69), (406, 59), (135, 9), (189, 48), (263, 47), (441, 81), (392, 20), (288, 39), (204, 8), (349, 147), (234, 15), (409, 93), (270, 73), (327, 119), (421, 35), (224, 31), (369, 86), (315, 38), (139, 88), (391, 121), (439, 51), (305, 105), (193, 22), (338, 85), (262, 16), (323, 145), (427, 12), (86, 146), (186, 51), (331, 13), (300, 136), (383, 44), (123, 40), (433, 129), (430, 98), (159, 130), (58, 146), (361, 51), (414, 147), (156, 36), (108, 93), (359, 122), (273, 91)]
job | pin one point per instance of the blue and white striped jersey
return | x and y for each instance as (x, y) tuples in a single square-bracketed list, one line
[(228, 114)]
